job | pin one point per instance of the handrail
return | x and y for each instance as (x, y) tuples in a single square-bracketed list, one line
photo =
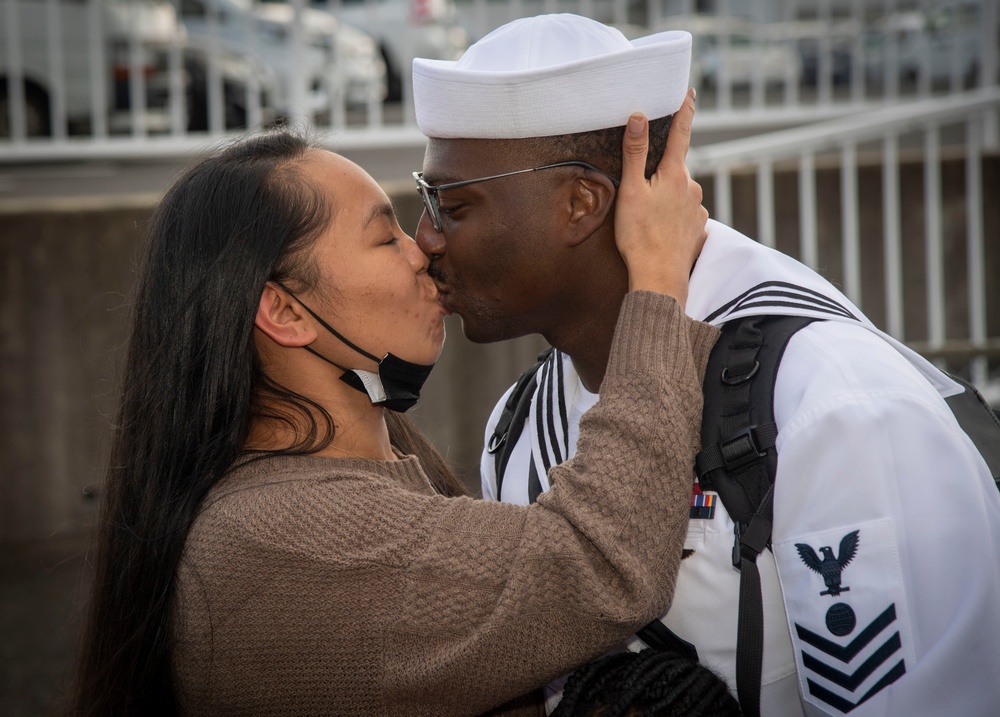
[(976, 111), (832, 134)]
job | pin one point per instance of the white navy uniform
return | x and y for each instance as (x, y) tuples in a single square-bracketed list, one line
[(873, 472)]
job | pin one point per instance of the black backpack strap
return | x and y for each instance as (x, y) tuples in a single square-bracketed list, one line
[(739, 462), (511, 421), (979, 422), (660, 637)]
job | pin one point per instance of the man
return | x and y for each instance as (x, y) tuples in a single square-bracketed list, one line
[(874, 472)]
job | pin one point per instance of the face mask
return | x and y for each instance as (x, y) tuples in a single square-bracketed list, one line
[(395, 386)]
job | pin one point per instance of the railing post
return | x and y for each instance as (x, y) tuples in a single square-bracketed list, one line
[(298, 110), (254, 114), (98, 70), (934, 255), (990, 69), (15, 79), (723, 195), (136, 74), (975, 253), (791, 81), (858, 74), (619, 11), (808, 240), (849, 221), (890, 76), (179, 110), (57, 66), (824, 57), (213, 74), (723, 81), (765, 204), (890, 217)]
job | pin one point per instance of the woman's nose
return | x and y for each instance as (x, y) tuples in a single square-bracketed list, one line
[(430, 241), (417, 258)]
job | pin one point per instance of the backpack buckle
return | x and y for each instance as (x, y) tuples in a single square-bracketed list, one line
[(496, 440), (738, 529), (739, 375), (740, 448)]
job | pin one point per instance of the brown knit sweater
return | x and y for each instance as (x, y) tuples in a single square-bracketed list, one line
[(319, 586)]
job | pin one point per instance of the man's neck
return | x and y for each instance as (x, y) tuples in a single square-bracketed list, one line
[(586, 335)]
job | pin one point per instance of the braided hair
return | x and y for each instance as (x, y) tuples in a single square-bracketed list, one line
[(651, 683)]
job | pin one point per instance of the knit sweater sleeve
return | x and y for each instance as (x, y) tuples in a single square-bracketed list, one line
[(375, 598), (597, 556)]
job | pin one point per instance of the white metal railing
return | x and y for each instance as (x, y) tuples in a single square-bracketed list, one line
[(115, 78), (972, 116), (151, 78)]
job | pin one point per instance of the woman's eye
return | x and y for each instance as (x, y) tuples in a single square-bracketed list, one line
[(393, 240)]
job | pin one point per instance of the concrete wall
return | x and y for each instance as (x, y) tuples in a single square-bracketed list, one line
[(66, 277), (67, 274)]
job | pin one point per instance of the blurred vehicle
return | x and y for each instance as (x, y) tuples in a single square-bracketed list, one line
[(406, 29), (240, 78), (950, 39), (734, 48), (153, 25), (339, 60), (808, 37), (943, 41), (157, 32)]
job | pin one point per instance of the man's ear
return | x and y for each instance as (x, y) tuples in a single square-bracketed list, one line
[(590, 202), (283, 319)]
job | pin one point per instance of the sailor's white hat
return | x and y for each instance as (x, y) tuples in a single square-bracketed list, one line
[(551, 75)]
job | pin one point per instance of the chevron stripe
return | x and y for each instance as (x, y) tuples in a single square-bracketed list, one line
[(867, 669), (851, 681), (843, 705), (846, 653)]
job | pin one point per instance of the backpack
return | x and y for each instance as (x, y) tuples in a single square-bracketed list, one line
[(738, 461)]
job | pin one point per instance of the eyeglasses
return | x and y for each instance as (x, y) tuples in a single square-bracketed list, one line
[(429, 194)]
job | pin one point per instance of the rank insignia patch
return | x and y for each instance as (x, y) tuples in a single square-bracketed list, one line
[(835, 662), (702, 504), (831, 566), (847, 613)]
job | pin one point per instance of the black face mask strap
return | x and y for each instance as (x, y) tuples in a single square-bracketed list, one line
[(331, 330)]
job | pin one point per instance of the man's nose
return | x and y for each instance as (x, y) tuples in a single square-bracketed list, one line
[(430, 241)]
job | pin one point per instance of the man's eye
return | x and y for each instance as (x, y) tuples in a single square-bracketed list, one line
[(450, 208)]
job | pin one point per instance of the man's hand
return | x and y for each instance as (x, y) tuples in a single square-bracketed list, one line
[(659, 223)]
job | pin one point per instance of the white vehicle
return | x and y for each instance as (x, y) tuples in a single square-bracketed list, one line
[(337, 60), (948, 41), (153, 25), (406, 29), (734, 48), (239, 76)]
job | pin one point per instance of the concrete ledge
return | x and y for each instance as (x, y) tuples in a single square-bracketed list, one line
[(67, 266)]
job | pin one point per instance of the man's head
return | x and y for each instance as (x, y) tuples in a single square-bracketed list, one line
[(519, 253)]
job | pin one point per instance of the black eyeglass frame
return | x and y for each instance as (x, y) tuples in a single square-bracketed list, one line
[(429, 193)]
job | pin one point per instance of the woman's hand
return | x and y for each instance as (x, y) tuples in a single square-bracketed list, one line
[(659, 223)]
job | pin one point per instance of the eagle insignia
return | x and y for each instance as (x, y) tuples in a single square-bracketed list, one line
[(830, 566)]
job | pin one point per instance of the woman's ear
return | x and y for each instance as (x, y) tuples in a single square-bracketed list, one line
[(590, 204), (283, 319)]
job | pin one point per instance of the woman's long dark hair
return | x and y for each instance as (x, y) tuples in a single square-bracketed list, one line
[(191, 385), (651, 683)]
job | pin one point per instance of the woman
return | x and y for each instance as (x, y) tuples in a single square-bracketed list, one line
[(274, 541)]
